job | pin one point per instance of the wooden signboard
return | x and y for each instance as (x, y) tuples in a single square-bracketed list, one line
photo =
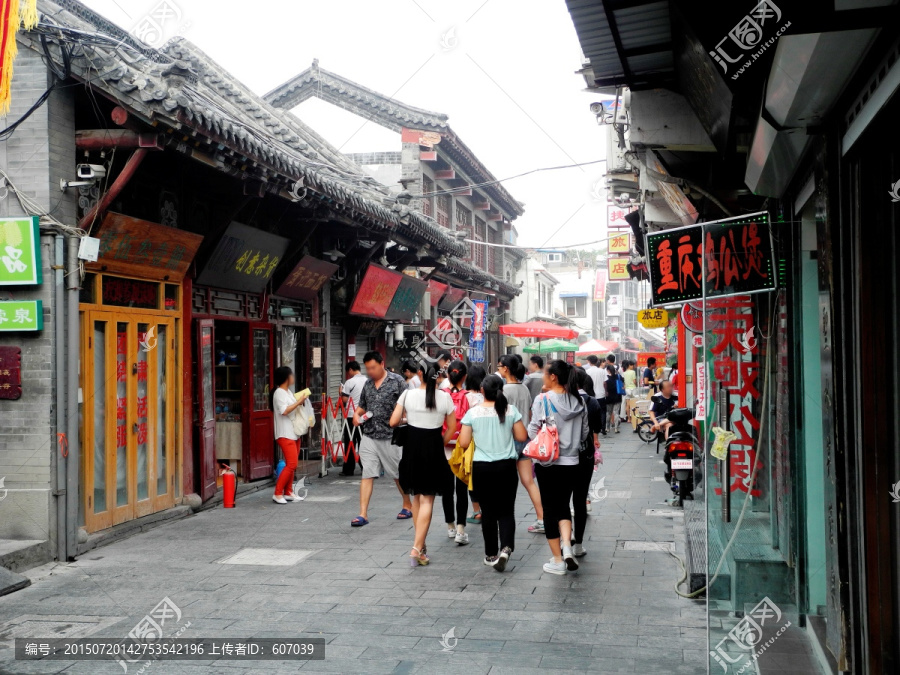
[(244, 259), (10, 373), (407, 299), (139, 248), (376, 290), (307, 278)]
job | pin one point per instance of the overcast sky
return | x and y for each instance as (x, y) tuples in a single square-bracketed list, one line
[(503, 70)]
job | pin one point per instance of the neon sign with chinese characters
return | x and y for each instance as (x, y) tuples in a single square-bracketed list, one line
[(733, 255)]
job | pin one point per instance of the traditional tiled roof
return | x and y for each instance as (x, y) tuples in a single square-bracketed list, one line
[(315, 81), (182, 88)]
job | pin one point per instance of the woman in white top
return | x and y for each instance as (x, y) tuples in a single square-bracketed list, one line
[(423, 466), (284, 403)]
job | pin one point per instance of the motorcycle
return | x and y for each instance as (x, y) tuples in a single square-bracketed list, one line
[(682, 454)]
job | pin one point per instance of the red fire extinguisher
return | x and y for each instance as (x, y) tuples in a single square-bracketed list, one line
[(229, 485)]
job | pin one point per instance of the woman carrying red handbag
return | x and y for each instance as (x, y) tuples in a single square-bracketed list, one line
[(557, 478)]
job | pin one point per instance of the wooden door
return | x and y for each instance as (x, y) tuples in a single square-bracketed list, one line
[(256, 415), (129, 424), (206, 408)]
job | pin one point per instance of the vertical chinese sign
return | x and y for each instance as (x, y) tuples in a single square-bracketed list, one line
[(618, 269), (479, 331), (736, 368)]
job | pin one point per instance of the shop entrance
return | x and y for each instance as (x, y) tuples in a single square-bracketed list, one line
[(129, 416), (234, 372)]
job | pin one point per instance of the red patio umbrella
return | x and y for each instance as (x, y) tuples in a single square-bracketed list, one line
[(538, 329)]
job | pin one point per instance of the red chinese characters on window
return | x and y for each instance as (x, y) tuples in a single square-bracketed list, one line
[(121, 436), (736, 368), (142, 433), (142, 407)]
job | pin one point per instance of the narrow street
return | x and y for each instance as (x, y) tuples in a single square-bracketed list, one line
[(617, 613)]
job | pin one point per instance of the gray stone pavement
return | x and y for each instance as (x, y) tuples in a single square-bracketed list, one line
[(617, 613)]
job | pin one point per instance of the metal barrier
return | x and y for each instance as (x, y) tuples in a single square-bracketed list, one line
[(339, 436)]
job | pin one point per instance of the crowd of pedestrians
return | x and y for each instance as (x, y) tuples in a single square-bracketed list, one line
[(412, 426)]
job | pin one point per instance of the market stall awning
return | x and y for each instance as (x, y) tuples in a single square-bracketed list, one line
[(538, 329), (549, 346), (597, 347)]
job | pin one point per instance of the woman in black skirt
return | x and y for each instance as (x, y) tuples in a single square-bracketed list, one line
[(423, 466)]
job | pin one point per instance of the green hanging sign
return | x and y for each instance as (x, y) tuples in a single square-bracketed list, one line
[(21, 315), (20, 251)]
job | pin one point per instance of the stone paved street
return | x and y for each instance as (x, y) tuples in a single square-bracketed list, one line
[(618, 613)]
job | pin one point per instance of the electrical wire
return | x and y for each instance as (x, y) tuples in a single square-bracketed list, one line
[(501, 180), (32, 208)]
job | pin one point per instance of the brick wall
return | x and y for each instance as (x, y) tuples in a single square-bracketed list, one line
[(39, 153)]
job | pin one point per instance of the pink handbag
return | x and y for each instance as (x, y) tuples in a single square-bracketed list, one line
[(544, 447)]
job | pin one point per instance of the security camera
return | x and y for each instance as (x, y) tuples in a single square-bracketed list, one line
[(90, 171), (597, 108)]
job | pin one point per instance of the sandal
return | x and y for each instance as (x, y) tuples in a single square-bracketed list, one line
[(359, 521), (418, 558), (405, 514), (475, 518)]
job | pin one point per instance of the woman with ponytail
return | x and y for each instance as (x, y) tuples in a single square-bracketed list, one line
[(456, 518), (494, 425), (423, 467), (557, 480)]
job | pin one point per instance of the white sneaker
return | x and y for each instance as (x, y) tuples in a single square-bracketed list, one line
[(490, 560), (578, 551), (569, 559), (554, 567), (462, 538), (537, 528), (502, 559), (588, 507), (451, 532), (278, 499), (293, 498)]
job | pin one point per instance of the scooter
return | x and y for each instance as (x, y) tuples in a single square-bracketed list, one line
[(682, 454)]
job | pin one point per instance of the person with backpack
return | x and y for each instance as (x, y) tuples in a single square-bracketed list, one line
[(495, 425), (456, 521), (588, 458), (475, 397), (561, 413), (423, 469), (615, 386)]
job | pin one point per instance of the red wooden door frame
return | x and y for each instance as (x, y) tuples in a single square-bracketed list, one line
[(206, 429)]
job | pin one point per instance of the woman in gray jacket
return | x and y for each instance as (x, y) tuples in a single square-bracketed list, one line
[(557, 480)]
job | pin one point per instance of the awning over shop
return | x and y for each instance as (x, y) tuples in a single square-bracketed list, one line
[(549, 346), (538, 329), (597, 347)]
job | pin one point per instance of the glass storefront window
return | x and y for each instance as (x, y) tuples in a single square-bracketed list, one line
[(130, 293), (206, 356), (99, 406), (170, 300), (261, 370), (145, 343), (121, 414), (160, 379)]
